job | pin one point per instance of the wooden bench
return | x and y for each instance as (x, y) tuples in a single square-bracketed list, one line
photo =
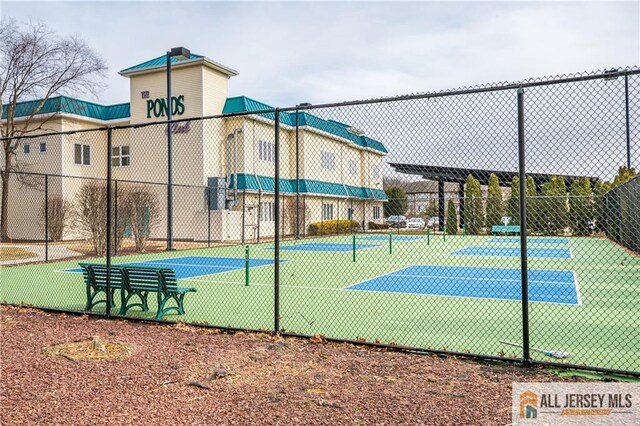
[(505, 229), (138, 282)]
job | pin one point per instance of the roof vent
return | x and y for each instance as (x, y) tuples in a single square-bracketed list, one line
[(355, 131)]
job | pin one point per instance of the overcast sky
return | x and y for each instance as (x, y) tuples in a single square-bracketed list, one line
[(287, 53)]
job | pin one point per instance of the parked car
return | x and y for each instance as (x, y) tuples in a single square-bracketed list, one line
[(415, 223), (434, 222), (397, 221)]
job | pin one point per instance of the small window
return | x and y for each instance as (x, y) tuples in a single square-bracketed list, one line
[(86, 155), (267, 151), (267, 212), (376, 172), (120, 156), (327, 160), (26, 148), (353, 167), (77, 153), (82, 154), (376, 212), (350, 214), (327, 211), (43, 147)]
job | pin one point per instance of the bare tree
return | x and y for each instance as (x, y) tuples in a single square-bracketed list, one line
[(91, 210), (58, 213), (141, 211), (35, 63)]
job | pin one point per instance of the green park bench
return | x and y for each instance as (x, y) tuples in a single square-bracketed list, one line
[(505, 229), (134, 281)]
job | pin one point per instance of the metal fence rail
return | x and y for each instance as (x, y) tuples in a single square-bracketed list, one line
[(518, 241)]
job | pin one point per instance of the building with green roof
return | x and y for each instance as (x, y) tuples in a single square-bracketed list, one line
[(230, 155)]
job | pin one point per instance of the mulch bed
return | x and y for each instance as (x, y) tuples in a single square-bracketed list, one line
[(184, 375)]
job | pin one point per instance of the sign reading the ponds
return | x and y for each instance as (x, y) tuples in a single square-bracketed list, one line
[(158, 107)]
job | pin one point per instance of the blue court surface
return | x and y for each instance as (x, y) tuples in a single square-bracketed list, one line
[(196, 266), (475, 282), (393, 237), (544, 252), (325, 247), (532, 240)]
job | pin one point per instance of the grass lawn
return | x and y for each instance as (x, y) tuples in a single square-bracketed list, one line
[(602, 330)]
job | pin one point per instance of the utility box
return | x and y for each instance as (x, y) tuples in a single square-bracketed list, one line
[(218, 189)]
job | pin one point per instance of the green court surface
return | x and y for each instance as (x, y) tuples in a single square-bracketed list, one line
[(602, 330)]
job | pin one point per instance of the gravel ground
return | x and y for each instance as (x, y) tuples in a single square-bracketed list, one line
[(184, 375)]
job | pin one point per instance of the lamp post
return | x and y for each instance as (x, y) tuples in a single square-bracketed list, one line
[(179, 53)]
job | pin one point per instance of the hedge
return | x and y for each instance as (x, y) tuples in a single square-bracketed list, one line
[(375, 225), (333, 226)]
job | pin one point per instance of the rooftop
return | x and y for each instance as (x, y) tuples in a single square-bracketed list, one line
[(459, 175), (160, 63)]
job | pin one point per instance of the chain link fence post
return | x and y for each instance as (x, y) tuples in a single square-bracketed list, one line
[(276, 248), (108, 242), (523, 230)]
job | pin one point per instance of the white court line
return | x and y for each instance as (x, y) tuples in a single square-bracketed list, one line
[(575, 279), (480, 279), (465, 297)]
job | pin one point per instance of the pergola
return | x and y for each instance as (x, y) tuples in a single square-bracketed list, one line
[(459, 175)]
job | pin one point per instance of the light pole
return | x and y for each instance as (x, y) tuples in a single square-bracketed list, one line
[(179, 53)]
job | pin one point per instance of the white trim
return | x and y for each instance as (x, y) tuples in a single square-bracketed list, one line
[(70, 115)]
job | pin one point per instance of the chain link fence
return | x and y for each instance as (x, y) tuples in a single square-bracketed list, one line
[(497, 221)]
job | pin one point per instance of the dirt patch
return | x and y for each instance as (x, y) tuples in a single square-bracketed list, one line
[(93, 349), (188, 375)]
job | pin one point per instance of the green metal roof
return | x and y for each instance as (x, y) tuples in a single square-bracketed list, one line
[(71, 106), (232, 105), (245, 104), (158, 62), (307, 186)]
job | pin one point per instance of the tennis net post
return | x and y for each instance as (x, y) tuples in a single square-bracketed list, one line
[(354, 248), (246, 265)]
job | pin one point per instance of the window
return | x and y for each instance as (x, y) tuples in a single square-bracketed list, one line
[(376, 212), (327, 160), (327, 211), (267, 212), (267, 151), (82, 154), (43, 147), (26, 148), (350, 214), (376, 172), (120, 156), (353, 167)]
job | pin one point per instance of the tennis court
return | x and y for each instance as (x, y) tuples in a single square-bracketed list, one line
[(530, 240), (325, 247), (195, 266), (539, 252), (477, 282), (418, 294), (394, 237)]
